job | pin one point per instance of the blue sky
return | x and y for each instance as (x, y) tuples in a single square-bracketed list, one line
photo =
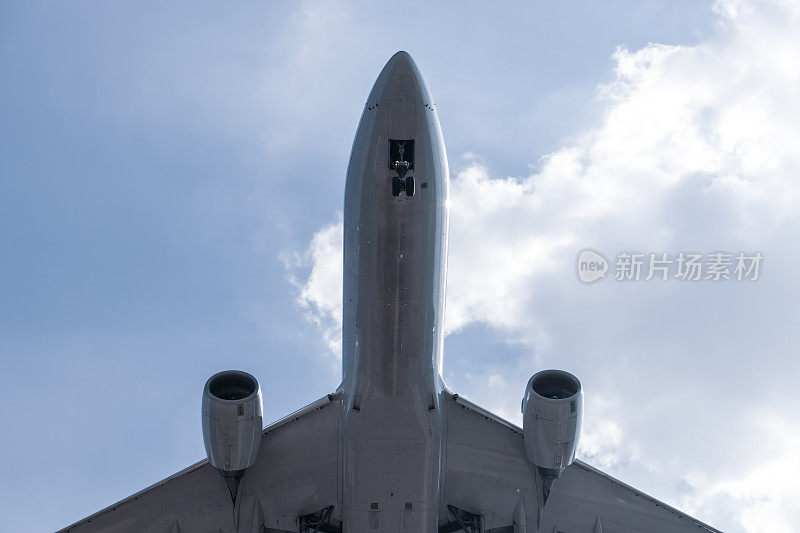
[(171, 178)]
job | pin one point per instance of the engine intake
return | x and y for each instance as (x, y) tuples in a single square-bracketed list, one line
[(552, 415), (232, 420)]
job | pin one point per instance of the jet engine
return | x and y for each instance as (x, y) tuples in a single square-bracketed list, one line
[(552, 414), (232, 412)]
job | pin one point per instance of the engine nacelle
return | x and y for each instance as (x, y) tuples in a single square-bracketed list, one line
[(232, 420), (552, 415)]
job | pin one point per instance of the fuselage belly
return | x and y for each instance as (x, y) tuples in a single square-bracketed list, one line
[(395, 249)]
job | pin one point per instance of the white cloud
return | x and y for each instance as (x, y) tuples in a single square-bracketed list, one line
[(697, 150), (321, 290)]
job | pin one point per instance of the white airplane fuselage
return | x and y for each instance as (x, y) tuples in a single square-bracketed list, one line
[(395, 255)]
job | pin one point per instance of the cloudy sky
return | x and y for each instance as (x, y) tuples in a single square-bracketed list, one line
[(171, 180)]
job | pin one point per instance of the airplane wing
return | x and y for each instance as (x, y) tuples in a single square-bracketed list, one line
[(296, 475), (486, 475)]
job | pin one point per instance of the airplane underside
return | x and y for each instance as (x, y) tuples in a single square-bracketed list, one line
[(392, 449)]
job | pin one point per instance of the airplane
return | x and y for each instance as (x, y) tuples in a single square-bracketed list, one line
[(392, 449)]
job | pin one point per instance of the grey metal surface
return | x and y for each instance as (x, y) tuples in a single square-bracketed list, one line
[(393, 306), (392, 450), (487, 471), (296, 470), (552, 414), (232, 420)]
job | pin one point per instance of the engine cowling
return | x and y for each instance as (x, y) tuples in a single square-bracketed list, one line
[(552, 416), (232, 420)]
